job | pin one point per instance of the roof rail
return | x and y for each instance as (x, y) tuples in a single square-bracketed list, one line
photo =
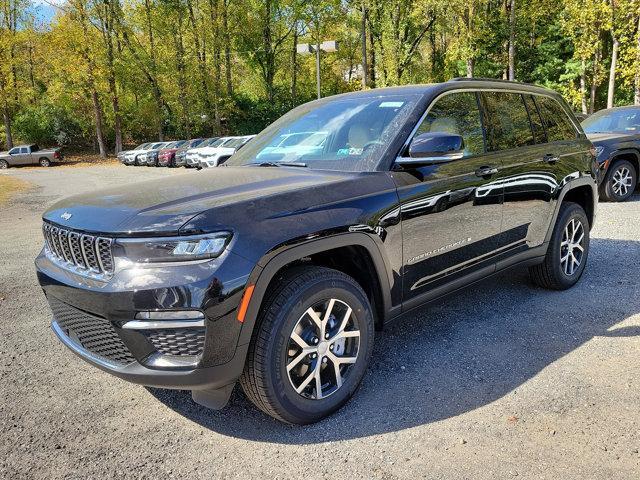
[(485, 79)]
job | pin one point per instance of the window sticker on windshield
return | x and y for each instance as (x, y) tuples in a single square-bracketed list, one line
[(391, 104)]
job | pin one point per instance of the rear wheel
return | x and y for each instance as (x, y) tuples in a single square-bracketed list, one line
[(620, 182), (311, 347), (44, 162), (568, 250), (4, 165)]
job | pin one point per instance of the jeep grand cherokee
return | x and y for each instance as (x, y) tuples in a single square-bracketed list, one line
[(277, 269)]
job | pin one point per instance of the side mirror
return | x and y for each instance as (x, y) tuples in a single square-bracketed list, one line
[(434, 147)]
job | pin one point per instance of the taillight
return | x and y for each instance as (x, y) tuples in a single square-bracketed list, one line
[(56, 154)]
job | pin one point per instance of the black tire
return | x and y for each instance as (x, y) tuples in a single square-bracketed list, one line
[(4, 164), (622, 171), (552, 273), (44, 162), (266, 380)]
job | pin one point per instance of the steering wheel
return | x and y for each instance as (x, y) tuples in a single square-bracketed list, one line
[(371, 144)]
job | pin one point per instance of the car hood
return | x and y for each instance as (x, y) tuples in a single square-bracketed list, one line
[(608, 137), (216, 151), (164, 206)]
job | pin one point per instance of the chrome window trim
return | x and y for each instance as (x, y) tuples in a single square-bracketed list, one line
[(477, 90)]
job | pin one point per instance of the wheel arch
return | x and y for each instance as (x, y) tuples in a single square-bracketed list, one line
[(584, 192), (632, 156), (356, 249)]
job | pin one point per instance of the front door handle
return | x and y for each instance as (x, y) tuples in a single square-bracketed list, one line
[(486, 171), (551, 158)]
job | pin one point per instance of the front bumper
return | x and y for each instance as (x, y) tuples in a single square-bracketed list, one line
[(89, 315)]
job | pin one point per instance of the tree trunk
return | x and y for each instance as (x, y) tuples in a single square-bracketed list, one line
[(108, 31), (594, 81), (470, 65), (7, 126), (294, 67), (91, 80), (583, 87), (614, 58), (512, 40), (227, 46), (637, 76), (372, 63), (363, 44), (157, 95), (201, 57), (182, 77)]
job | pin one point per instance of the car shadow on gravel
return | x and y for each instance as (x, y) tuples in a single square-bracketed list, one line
[(457, 354)]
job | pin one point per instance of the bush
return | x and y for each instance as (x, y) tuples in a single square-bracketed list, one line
[(47, 125)]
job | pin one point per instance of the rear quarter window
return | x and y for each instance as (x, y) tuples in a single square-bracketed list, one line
[(558, 124)]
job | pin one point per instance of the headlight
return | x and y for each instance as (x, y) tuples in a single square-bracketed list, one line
[(172, 249)]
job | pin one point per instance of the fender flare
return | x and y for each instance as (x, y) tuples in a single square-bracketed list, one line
[(626, 151), (270, 264), (572, 185)]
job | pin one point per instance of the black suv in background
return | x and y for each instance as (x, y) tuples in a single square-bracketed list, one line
[(615, 133), (276, 269)]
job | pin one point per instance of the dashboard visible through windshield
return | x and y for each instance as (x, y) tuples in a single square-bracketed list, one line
[(347, 134)]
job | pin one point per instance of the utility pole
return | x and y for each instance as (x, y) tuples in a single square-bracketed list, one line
[(307, 49)]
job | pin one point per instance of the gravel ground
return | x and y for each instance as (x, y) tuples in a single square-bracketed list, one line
[(498, 381)]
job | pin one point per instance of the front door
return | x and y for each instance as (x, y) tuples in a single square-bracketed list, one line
[(451, 212)]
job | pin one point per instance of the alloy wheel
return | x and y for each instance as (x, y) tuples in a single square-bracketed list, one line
[(621, 181), (322, 348), (572, 247)]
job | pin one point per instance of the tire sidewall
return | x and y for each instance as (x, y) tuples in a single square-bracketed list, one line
[(609, 193), (304, 410), (573, 211)]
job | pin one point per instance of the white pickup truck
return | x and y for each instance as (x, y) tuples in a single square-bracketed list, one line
[(29, 155)]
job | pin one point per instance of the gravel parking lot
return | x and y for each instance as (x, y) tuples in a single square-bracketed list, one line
[(498, 381)]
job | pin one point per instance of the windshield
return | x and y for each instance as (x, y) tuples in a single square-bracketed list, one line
[(216, 142), (234, 143), (343, 133), (613, 121)]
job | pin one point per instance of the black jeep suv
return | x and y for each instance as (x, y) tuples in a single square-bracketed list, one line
[(276, 269), (615, 133)]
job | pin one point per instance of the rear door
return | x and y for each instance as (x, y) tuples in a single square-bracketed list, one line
[(534, 170), (451, 213), (518, 139)]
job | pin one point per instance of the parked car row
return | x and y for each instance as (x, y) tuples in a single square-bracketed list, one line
[(198, 152)]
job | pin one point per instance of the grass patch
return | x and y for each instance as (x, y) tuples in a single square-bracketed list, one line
[(9, 186)]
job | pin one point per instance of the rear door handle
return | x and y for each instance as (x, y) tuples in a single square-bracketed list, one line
[(551, 158), (486, 171)]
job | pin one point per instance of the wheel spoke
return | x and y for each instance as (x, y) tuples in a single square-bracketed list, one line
[(316, 319), (336, 371), (299, 340), (306, 382), (348, 334), (318, 382), (296, 360), (343, 324)]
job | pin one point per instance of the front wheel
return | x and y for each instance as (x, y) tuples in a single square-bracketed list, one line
[(620, 182), (4, 165), (311, 346), (44, 162), (568, 250)]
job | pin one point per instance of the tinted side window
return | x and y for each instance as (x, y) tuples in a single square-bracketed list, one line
[(507, 121), (536, 120), (24, 150), (457, 113), (559, 127)]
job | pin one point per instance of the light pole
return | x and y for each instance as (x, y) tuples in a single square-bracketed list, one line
[(307, 49)]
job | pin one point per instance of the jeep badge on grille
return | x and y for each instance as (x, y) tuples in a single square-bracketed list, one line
[(66, 215)]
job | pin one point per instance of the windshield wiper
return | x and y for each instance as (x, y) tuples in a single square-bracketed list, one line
[(282, 164)]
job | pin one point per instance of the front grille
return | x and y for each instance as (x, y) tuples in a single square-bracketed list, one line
[(86, 253), (181, 342), (92, 333)]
